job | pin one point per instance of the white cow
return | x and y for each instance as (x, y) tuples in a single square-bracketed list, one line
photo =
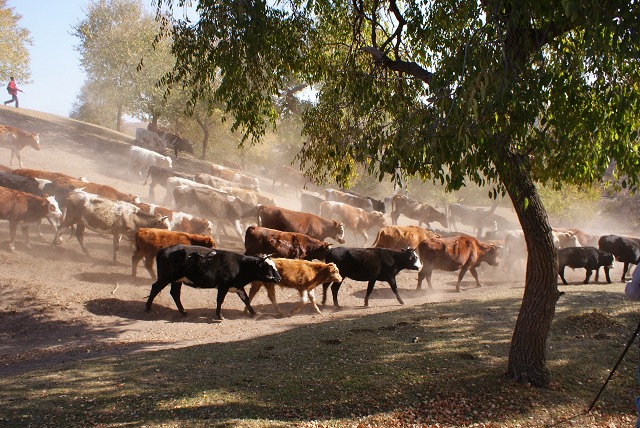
[(174, 182), (141, 159)]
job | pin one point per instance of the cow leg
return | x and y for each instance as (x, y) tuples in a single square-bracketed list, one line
[(116, 246), (135, 259), (271, 292), (13, 227), (597, 273), (394, 288), (474, 272), (238, 229), (325, 285), (422, 274), (245, 299), (80, 237), (334, 292), (304, 298), (561, 273), (586, 280), (394, 217), (148, 264), (176, 288), (461, 275), (25, 235), (625, 268), (15, 153), (369, 291), (312, 299), (156, 288), (152, 195)]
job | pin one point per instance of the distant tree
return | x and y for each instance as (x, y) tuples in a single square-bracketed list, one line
[(115, 36), (14, 45), (497, 92)]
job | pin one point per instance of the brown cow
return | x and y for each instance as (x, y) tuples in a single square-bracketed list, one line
[(17, 139), (233, 175), (149, 241), (25, 208), (296, 221), (289, 245), (358, 220), (462, 253), (424, 213), (289, 176), (37, 173), (301, 275), (401, 237), (179, 221), (98, 189)]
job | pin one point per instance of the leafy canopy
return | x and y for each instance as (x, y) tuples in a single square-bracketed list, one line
[(443, 89)]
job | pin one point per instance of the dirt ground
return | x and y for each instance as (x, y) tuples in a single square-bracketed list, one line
[(58, 305)]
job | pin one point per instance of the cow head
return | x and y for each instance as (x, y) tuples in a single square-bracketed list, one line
[(334, 273), (376, 219), (339, 227), (268, 269), (490, 256), (411, 259), (34, 140), (53, 211)]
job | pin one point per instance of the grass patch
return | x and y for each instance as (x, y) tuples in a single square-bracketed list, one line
[(432, 365)]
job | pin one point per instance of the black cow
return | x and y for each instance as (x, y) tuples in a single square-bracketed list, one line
[(178, 143), (38, 187), (377, 204), (625, 250), (369, 264), (589, 258), (202, 267)]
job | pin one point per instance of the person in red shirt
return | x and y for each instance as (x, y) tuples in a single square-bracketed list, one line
[(12, 88)]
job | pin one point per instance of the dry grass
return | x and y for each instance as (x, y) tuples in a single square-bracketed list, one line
[(432, 365)]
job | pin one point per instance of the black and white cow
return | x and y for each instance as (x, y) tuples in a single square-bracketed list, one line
[(202, 267), (589, 258), (369, 264), (625, 250)]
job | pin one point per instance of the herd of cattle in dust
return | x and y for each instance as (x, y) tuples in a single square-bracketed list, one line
[(283, 247)]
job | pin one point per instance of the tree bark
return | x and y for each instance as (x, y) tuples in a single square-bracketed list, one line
[(527, 356), (205, 138), (119, 119)]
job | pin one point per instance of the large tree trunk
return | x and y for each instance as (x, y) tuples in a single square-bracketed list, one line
[(527, 357)]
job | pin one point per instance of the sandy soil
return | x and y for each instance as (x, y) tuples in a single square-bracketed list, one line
[(58, 305)]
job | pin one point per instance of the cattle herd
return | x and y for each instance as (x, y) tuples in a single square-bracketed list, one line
[(281, 246)]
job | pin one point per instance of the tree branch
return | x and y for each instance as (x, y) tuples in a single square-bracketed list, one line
[(410, 68)]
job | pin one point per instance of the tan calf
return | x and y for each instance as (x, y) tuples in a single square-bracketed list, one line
[(301, 275)]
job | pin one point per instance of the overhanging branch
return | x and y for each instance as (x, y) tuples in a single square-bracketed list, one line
[(410, 68)]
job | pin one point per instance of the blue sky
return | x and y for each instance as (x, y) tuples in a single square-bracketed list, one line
[(56, 74)]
